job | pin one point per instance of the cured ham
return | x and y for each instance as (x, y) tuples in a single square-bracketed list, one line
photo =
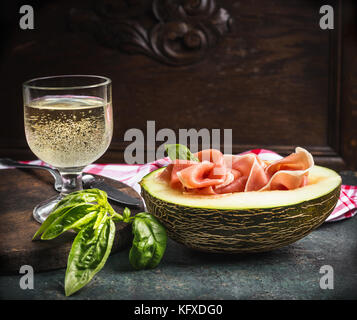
[(216, 173)]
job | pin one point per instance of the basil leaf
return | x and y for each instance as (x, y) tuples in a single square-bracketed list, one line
[(83, 196), (89, 252), (89, 196), (149, 242), (82, 222), (75, 217), (126, 215), (56, 213), (179, 151), (100, 216)]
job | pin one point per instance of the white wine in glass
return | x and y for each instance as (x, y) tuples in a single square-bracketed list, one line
[(69, 125)]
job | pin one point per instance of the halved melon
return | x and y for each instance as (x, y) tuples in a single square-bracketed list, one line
[(242, 221)]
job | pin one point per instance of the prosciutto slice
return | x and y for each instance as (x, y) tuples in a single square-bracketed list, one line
[(220, 174)]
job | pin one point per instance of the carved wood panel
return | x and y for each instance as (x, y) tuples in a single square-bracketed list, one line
[(271, 75), (348, 80), (181, 33)]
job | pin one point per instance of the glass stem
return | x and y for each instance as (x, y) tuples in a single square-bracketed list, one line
[(71, 182)]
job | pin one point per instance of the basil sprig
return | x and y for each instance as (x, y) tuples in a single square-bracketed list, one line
[(179, 152), (89, 213)]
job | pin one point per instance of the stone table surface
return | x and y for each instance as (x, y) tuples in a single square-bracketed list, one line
[(292, 272)]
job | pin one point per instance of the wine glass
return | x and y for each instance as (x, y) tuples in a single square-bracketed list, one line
[(68, 124)]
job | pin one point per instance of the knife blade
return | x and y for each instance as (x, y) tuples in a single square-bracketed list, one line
[(113, 193), (88, 180)]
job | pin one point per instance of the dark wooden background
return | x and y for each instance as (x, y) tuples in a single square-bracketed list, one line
[(264, 69)]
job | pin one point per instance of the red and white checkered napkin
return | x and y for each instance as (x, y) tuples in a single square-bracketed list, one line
[(131, 174)]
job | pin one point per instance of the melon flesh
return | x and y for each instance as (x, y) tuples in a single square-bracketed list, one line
[(321, 181)]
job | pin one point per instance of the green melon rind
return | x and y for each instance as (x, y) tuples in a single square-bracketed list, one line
[(240, 230)]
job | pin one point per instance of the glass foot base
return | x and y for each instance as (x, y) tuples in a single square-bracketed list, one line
[(43, 210)]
